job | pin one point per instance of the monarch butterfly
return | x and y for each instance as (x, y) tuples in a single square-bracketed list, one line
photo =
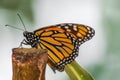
[(61, 40)]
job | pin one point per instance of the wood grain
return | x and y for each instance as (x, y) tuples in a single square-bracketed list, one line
[(29, 63)]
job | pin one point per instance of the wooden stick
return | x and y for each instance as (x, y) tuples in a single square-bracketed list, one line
[(29, 63)]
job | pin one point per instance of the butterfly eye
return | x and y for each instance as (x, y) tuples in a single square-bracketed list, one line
[(25, 33)]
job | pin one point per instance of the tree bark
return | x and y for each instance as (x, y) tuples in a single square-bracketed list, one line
[(29, 63)]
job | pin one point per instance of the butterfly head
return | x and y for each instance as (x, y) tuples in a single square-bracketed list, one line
[(31, 38), (27, 34)]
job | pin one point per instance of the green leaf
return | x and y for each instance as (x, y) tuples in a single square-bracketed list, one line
[(76, 72)]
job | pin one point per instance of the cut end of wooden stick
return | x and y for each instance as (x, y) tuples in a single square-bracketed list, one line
[(29, 63)]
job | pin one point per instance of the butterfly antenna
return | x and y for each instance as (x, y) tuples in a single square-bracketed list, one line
[(14, 27), (21, 21)]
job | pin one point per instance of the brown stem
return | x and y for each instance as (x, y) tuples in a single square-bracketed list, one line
[(29, 63)]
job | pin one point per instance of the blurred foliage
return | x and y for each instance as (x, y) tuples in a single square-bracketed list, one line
[(22, 6), (97, 70), (110, 66), (111, 21), (112, 25)]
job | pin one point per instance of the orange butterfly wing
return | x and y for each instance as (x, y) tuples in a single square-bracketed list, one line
[(62, 42)]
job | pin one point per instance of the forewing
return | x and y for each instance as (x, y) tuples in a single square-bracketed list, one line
[(62, 42), (62, 47)]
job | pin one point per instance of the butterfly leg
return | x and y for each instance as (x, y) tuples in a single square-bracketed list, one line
[(23, 42), (34, 44)]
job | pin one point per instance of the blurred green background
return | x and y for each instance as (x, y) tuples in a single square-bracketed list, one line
[(100, 56)]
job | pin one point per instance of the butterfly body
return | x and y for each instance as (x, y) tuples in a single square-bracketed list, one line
[(62, 42)]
